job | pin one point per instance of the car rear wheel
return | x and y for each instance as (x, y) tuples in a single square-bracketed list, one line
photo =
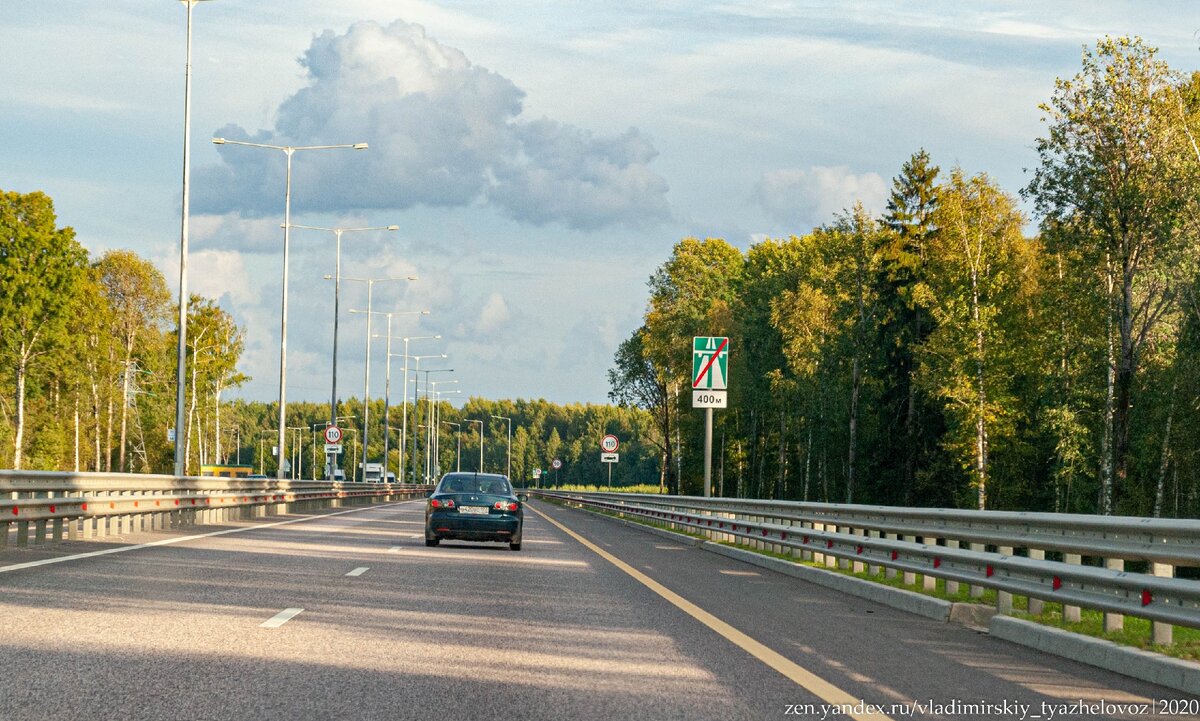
[(515, 546), (432, 541)]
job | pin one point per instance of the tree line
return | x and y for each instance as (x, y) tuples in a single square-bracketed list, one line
[(88, 354), (940, 355)]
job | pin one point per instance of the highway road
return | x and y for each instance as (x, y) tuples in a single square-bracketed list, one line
[(592, 620)]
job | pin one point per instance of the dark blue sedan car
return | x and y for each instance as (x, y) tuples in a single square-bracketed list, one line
[(474, 507)]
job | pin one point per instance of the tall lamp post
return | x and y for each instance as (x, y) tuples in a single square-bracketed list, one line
[(181, 354), (288, 151), (505, 418), (472, 420), (387, 384), (404, 401), (437, 417), (367, 365), (337, 286), (430, 430), (416, 401)]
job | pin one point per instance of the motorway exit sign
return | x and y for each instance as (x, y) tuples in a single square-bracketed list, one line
[(710, 371), (710, 363)]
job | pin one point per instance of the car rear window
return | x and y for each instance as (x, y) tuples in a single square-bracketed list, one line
[(472, 484)]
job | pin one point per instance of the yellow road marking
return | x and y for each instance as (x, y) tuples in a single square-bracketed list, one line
[(793, 671)]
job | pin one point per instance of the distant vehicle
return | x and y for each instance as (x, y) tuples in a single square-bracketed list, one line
[(257, 475), (371, 472), (339, 474), (474, 507)]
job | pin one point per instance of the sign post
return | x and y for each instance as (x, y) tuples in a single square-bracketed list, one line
[(333, 440), (710, 383), (608, 454), (556, 464)]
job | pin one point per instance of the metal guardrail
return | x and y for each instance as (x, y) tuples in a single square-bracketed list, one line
[(57, 506), (1003, 551)]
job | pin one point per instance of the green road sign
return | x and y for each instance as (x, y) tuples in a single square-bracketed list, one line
[(710, 363)]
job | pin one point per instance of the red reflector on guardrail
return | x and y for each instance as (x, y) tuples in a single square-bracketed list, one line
[(829, 544), (990, 571), (858, 550), (1147, 597), (111, 505), (1056, 583), (84, 506), (895, 555), (764, 532), (937, 562), (783, 536), (14, 510), (177, 501), (52, 509)]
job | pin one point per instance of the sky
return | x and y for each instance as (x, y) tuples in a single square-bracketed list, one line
[(540, 158)]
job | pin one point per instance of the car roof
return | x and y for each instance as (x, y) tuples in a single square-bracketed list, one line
[(460, 474)]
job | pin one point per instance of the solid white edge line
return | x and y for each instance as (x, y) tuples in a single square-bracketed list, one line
[(181, 539), (281, 618), (359, 571)]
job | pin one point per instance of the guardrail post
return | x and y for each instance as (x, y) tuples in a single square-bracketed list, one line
[(872, 568), (806, 555), (973, 590), (1004, 599), (39, 527), (910, 578), (951, 586), (4, 534), (928, 582), (859, 566), (890, 572), (22, 534), (1071, 614), (1036, 605), (1162, 633), (1114, 621)]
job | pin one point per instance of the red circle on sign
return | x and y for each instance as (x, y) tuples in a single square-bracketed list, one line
[(610, 444), (333, 434)]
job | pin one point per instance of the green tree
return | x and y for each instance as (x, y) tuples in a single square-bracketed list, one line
[(137, 294), (40, 268), (1117, 177), (976, 260)]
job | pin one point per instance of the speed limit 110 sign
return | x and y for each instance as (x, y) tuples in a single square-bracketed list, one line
[(609, 444)]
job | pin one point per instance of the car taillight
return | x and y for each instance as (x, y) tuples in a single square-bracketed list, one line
[(504, 506), (447, 503)]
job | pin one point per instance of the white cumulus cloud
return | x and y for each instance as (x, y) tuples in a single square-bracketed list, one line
[(814, 196), (442, 132)]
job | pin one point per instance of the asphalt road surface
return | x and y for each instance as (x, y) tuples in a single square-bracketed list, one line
[(347, 615)]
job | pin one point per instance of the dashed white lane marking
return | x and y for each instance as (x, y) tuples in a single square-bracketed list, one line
[(671, 548), (740, 573), (416, 535), (359, 571), (281, 618), (395, 549)]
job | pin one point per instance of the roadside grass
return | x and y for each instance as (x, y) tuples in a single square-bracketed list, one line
[(1135, 633)]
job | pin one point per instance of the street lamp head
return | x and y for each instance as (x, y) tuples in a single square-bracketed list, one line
[(218, 141), (328, 277), (393, 227), (360, 146)]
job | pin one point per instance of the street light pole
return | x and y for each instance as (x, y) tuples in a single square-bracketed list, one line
[(429, 419), (505, 418), (472, 420), (181, 353), (337, 286), (387, 393), (288, 151), (367, 367)]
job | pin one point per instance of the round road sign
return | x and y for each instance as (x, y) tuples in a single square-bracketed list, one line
[(333, 434), (609, 444), (556, 464)]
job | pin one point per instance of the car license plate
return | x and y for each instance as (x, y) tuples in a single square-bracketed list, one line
[(474, 510)]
